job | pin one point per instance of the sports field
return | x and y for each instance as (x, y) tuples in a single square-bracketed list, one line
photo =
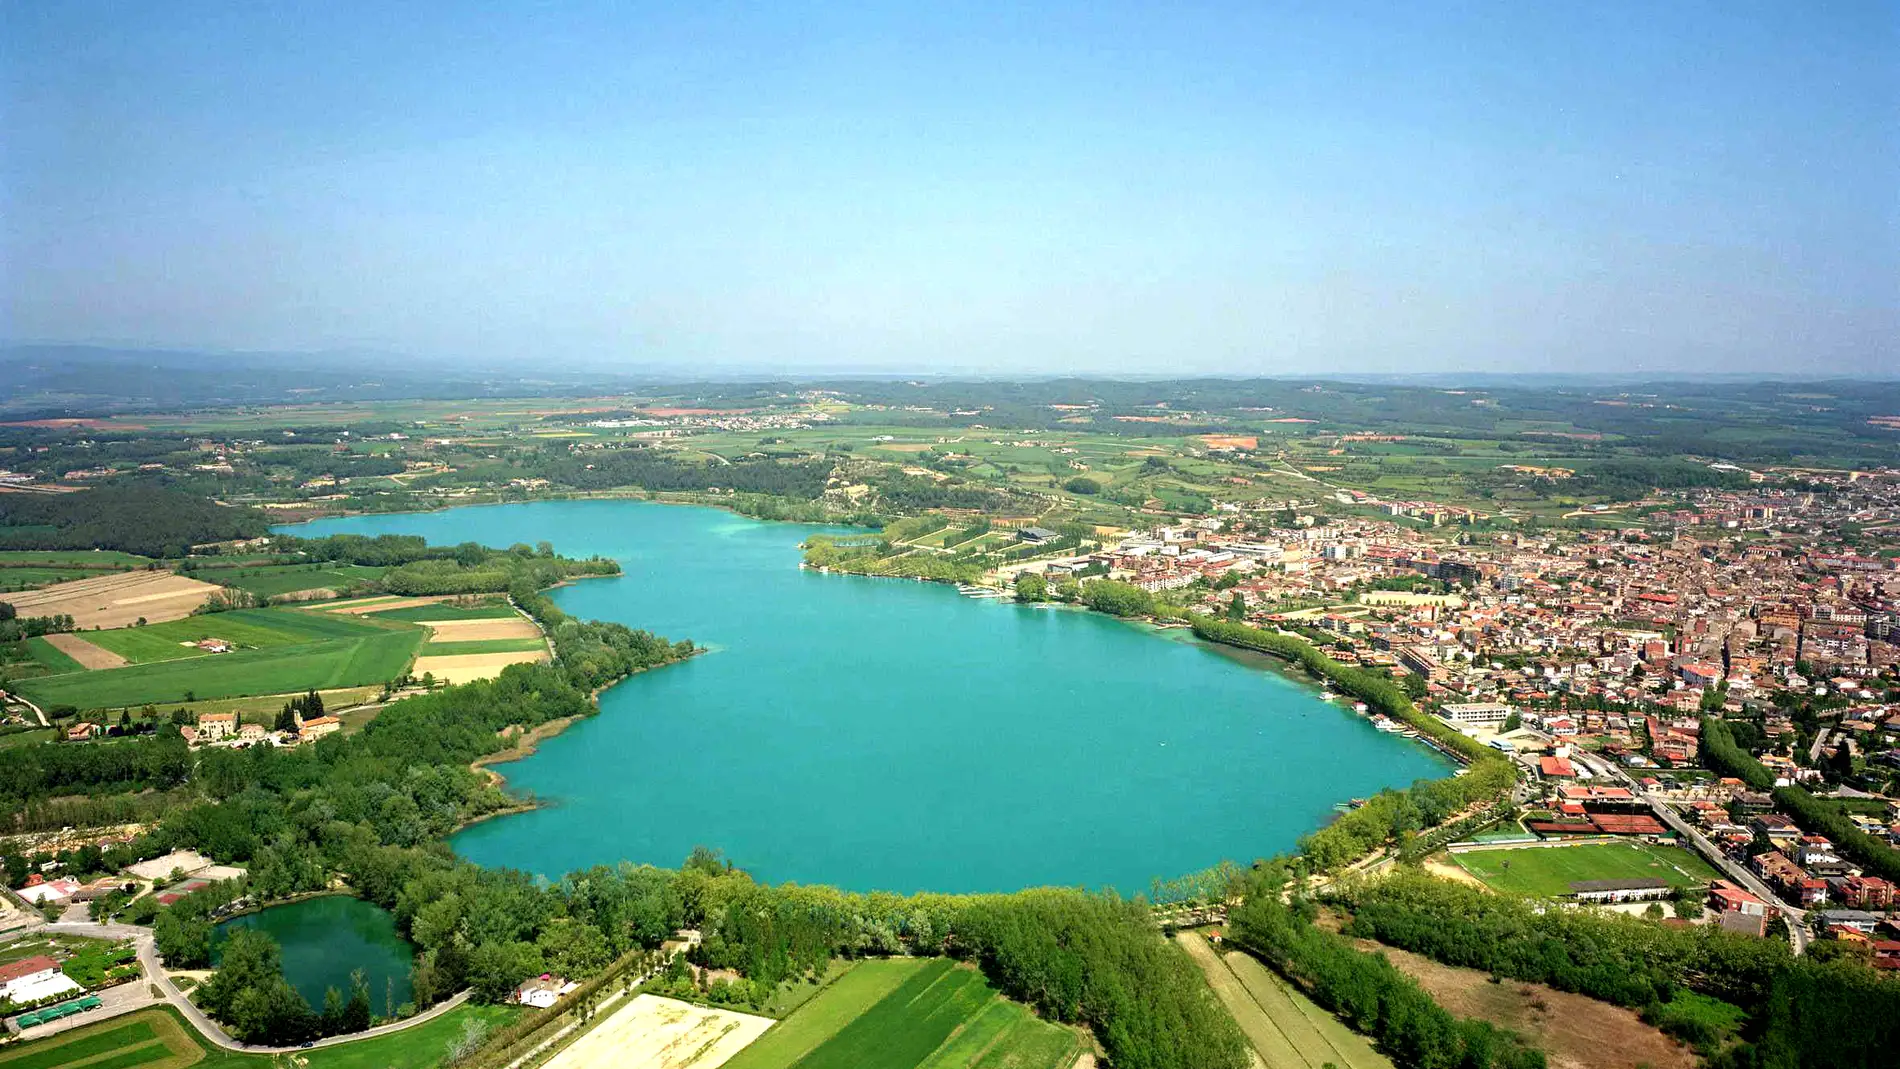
[(911, 1014), (1547, 872), (280, 651), (1286, 1029)]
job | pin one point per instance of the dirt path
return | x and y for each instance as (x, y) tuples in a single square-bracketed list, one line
[(1438, 866), (87, 654)]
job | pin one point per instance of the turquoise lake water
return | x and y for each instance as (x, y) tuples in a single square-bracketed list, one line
[(881, 734), (324, 939)]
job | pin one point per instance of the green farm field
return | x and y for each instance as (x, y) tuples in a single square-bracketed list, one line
[(27, 576), (1547, 872), (448, 610), (75, 558), (247, 629), (911, 1014), (365, 658), (272, 580), (159, 1038), (487, 645)]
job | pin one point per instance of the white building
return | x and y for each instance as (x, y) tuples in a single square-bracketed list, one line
[(543, 991), (1486, 714), (34, 979)]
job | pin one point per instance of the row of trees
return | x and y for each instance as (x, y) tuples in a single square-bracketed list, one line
[(1371, 994)]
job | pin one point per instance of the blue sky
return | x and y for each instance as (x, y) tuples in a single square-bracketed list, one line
[(1140, 188)]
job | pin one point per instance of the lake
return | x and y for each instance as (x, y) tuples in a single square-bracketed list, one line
[(893, 735), (325, 938)]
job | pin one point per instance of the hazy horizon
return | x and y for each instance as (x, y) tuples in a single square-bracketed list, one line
[(1103, 190)]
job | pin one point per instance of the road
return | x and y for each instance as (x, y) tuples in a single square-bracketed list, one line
[(1797, 919), (155, 974)]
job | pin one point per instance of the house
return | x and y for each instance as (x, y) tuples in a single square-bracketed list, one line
[(50, 892), (1856, 919), (252, 732), (1777, 829), (1036, 535), (33, 979), (1556, 768), (80, 732), (1725, 897), (214, 726), (318, 726), (1866, 892), (543, 991), (1887, 954), (103, 886)]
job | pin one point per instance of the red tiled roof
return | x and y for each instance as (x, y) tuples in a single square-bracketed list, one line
[(36, 963)]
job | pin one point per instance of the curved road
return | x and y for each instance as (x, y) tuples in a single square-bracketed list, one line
[(148, 957)]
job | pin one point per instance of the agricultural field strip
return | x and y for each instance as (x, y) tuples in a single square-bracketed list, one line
[(841, 1002), (145, 1039), (1284, 1026), (651, 1032), (938, 1016)]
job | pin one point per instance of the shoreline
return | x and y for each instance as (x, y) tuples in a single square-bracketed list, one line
[(526, 744)]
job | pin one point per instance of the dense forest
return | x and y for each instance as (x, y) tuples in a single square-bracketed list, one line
[(146, 520), (653, 470), (417, 568)]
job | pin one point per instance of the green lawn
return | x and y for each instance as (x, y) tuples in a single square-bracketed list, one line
[(156, 1035), (911, 1014), (1547, 872), (367, 658)]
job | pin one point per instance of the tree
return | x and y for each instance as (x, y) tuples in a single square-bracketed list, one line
[(1237, 606), (250, 995), (1513, 721), (1031, 586), (1082, 484)]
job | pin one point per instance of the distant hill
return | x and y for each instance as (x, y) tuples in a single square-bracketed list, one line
[(51, 381)]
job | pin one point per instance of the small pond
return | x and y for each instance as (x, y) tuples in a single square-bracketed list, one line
[(325, 939)]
